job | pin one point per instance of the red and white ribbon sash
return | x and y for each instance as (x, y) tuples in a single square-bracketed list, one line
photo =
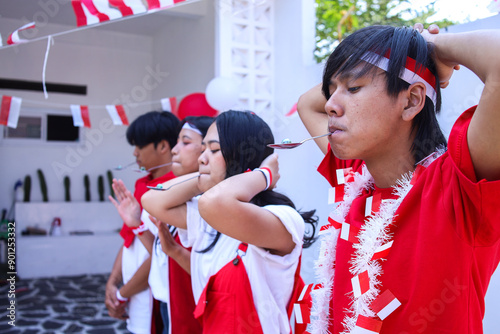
[(14, 37), (80, 115), (117, 114), (10, 109)]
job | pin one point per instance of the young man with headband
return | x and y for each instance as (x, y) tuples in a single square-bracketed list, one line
[(413, 241)]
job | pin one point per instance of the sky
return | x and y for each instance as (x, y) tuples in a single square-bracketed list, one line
[(460, 11)]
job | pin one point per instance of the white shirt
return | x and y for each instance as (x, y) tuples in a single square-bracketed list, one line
[(271, 276), (141, 304)]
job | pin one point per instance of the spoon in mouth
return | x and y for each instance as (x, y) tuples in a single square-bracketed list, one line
[(287, 144)]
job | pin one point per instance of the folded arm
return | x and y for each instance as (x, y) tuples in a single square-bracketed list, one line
[(227, 209), (170, 205)]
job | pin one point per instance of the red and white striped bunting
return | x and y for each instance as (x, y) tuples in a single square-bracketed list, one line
[(95, 11), (360, 284), (365, 325), (9, 112), (169, 104), (80, 115), (117, 114), (14, 37), (385, 304)]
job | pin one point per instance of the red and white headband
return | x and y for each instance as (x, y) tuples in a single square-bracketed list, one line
[(410, 73), (192, 128)]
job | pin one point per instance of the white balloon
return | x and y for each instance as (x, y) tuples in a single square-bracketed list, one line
[(222, 93)]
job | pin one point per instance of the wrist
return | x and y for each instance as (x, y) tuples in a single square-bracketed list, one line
[(267, 175), (120, 298), (138, 230)]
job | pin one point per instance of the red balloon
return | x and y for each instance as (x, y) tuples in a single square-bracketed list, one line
[(195, 105)]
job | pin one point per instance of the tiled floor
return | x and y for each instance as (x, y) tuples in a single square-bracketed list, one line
[(58, 305)]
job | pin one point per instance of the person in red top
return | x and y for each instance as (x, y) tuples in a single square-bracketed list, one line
[(413, 240), (153, 135)]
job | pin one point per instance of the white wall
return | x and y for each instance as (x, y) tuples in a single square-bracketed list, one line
[(296, 72), (117, 69), (186, 47)]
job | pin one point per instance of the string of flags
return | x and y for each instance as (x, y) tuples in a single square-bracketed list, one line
[(10, 110), (89, 12)]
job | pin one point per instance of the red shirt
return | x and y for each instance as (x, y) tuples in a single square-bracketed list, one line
[(445, 248)]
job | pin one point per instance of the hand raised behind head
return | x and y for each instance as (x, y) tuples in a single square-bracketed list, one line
[(444, 68)]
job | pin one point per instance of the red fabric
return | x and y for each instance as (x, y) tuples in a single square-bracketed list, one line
[(226, 304), (181, 299), (298, 286), (156, 320), (141, 186), (5, 109), (445, 246)]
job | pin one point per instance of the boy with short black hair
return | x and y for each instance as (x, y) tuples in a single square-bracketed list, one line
[(153, 134)]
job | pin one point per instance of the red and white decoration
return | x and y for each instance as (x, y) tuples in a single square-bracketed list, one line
[(336, 194), (344, 175), (360, 284), (80, 115), (9, 112), (411, 74), (366, 325), (95, 11), (373, 242), (169, 104), (117, 114), (385, 304), (14, 37), (349, 233)]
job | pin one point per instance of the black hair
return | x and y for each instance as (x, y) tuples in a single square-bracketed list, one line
[(243, 138), (202, 123), (401, 42), (153, 127)]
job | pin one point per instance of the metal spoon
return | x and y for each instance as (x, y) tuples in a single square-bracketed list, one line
[(144, 170), (286, 145), (120, 167), (160, 186)]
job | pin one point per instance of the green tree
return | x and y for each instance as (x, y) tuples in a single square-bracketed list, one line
[(336, 19)]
